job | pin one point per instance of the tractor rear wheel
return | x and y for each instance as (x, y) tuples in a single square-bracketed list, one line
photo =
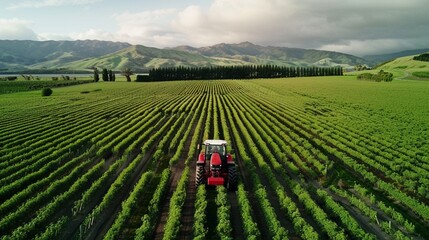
[(200, 176), (232, 178)]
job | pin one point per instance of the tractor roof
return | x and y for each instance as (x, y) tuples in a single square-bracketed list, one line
[(215, 142)]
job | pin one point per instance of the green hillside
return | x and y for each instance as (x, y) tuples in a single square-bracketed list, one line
[(407, 68), (402, 68), (141, 58), (256, 54), (21, 55)]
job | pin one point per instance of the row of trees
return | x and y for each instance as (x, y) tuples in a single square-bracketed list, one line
[(107, 75), (422, 57), (236, 72)]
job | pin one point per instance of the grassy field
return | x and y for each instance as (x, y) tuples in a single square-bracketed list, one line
[(318, 158), (22, 85), (399, 109)]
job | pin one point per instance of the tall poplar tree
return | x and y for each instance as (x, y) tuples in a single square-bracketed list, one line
[(105, 75)]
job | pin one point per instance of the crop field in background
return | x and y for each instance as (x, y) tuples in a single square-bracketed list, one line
[(318, 158)]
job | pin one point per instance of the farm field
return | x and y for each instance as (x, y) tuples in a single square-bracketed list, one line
[(23, 85), (319, 158)]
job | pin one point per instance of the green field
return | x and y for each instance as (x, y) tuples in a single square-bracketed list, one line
[(318, 158), (22, 85)]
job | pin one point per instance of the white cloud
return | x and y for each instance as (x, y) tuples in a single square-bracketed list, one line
[(232, 21), (53, 36), (16, 29), (150, 28), (50, 3), (92, 34)]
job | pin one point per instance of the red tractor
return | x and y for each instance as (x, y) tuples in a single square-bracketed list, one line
[(221, 171)]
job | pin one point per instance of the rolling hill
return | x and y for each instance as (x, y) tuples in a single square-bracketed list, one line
[(402, 68), (48, 56), (18, 55), (407, 68), (141, 58), (256, 54)]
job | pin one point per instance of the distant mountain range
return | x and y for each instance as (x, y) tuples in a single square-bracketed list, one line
[(73, 56)]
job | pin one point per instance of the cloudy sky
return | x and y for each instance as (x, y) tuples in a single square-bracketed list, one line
[(359, 27)]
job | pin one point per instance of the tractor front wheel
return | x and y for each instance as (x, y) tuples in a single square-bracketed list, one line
[(200, 176), (232, 178)]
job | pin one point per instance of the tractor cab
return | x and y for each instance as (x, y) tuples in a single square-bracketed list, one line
[(215, 146)]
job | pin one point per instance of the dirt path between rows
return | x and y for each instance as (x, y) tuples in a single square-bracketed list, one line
[(237, 226), (188, 211)]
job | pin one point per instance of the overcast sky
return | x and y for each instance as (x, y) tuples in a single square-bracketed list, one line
[(358, 27)]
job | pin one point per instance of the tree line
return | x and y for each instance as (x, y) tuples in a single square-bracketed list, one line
[(236, 72), (422, 57)]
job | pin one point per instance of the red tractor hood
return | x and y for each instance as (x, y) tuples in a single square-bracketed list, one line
[(215, 159)]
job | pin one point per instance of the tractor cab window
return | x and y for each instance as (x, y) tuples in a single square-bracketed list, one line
[(216, 148), (222, 150)]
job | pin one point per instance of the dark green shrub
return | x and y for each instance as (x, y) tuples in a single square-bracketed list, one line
[(381, 76), (422, 57), (46, 92)]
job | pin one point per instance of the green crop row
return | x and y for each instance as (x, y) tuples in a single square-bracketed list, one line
[(250, 226), (349, 222), (388, 210), (10, 220), (224, 227), (45, 214), (128, 205), (149, 220), (200, 215), (275, 229), (172, 226)]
